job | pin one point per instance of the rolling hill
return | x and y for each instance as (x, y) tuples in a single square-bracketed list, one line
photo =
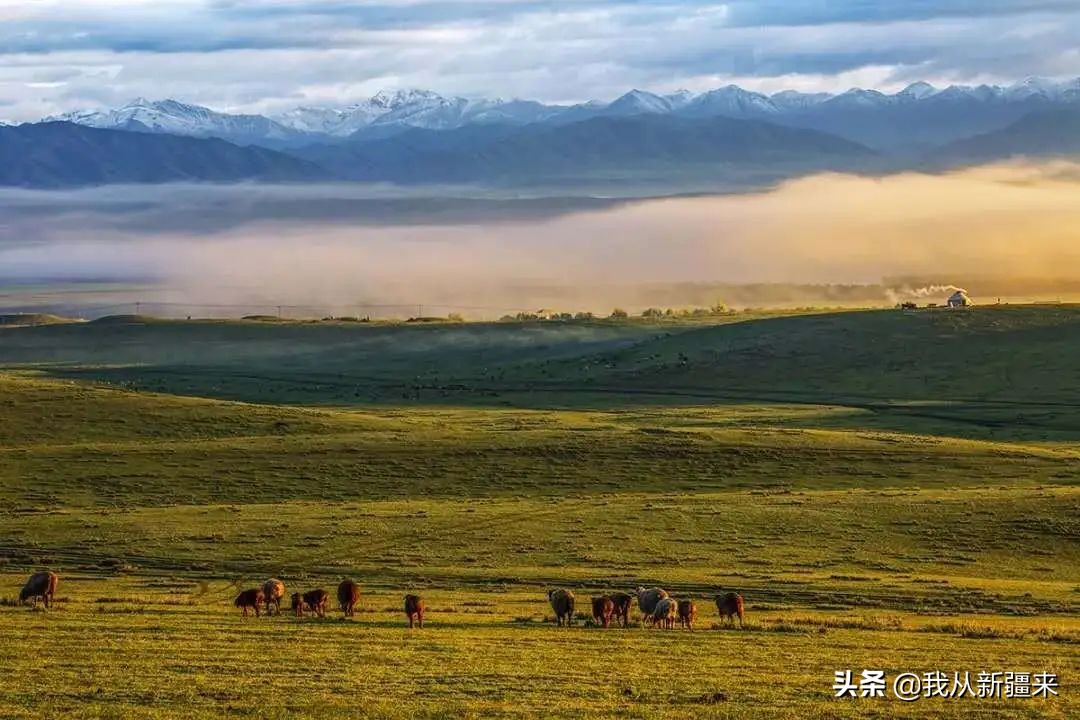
[(998, 371), (63, 154)]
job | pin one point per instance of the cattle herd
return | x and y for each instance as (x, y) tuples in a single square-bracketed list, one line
[(657, 607)]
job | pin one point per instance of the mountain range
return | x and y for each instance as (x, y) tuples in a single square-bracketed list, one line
[(918, 117), (726, 137), (641, 146)]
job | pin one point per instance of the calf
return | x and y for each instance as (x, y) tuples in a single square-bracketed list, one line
[(665, 612), (687, 613), (313, 600), (622, 602), (602, 610), (252, 599)]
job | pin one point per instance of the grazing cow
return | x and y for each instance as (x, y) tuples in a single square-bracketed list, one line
[(273, 594), (687, 613), (622, 603), (250, 599), (729, 605), (313, 600), (40, 585), (602, 610), (665, 612), (414, 609), (562, 602), (647, 599), (348, 594)]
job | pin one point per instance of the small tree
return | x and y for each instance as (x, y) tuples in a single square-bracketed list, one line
[(619, 314), (652, 313)]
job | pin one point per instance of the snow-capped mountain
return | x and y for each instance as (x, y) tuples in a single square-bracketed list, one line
[(732, 101), (177, 118), (795, 100), (916, 91), (639, 102), (920, 114), (412, 108)]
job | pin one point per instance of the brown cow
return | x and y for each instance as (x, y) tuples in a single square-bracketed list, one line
[(250, 599), (729, 605), (314, 600), (40, 585), (414, 609), (348, 594), (273, 594), (622, 603), (562, 602), (687, 613), (602, 610)]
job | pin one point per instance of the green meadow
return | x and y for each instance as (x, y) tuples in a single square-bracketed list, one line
[(887, 490)]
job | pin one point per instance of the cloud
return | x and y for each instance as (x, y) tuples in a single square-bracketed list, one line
[(259, 56), (328, 247)]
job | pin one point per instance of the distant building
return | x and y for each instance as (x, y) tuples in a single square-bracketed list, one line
[(959, 299)]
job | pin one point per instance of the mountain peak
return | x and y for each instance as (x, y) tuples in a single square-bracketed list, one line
[(918, 90), (404, 96), (640, 101)]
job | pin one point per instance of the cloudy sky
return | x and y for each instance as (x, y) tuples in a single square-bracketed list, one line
[(267, 55)]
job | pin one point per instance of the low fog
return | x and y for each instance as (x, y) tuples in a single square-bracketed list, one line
[(344, 246)]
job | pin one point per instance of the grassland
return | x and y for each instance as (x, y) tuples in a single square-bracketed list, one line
[(887, 490)]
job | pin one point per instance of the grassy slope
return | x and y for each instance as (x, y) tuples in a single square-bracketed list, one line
[(1003, 372), (854, 547)]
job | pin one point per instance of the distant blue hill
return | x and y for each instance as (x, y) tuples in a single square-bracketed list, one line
[(660, 145), (1050, 133), (63, 154)]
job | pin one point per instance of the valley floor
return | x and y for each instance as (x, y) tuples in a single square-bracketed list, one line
[(861, 538)]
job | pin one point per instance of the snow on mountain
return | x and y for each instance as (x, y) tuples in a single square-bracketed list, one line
[(1032, 87), (177, 118), (732, 101), (1070, 91), (412, 108), (795, 100), (859, 98), (639, 102), (388, 111), (917, 91), (679, 99)]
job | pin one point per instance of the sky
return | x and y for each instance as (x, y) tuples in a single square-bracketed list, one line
[(271, 55)]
